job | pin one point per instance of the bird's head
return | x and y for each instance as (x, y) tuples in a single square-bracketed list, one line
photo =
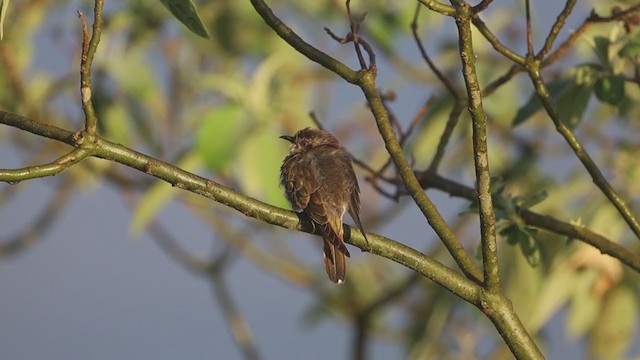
[(308, 138)]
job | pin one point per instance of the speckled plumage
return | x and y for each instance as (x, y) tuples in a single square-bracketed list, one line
[(319, 180)]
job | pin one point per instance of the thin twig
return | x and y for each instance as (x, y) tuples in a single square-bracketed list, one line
[(355, 27), (354, 37), (493, 40), (555, 29), (89, 47), (454, 116), (529, 30), (419, 116), (431, 180), (386, 98), (613, 17), (55, 167), (438, 7), (403, 139), (586, 24), (315, 55), (497, 83), (581, 153), (483, 5), (443, 79)]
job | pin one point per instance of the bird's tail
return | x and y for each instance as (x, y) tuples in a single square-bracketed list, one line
[(335, 262)]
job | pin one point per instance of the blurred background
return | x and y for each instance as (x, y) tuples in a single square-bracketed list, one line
[(103, 262)]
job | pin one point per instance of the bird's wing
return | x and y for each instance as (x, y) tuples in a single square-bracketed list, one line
[(303, 190)]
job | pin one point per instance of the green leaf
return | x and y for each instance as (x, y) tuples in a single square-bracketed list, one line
[(158, 196), (117, 126), (601, 48), (614, 331), (187, 13), (585, 305), (217, 139), (571, 95), (382, 29), (428, 322), (523, 284), (524, 236), (526, 202), (4, 7), (610, 89), (532, 106), (555, 293), (530, 247), (259, 161), (631, 50), (573, 103)]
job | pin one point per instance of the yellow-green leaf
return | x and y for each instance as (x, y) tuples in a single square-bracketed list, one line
[(259, 172), (218, 137), (616, 325), (585, 305), (4, 7), (554, 294)]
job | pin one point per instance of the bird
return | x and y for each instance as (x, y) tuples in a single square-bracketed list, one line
[(318, 179)]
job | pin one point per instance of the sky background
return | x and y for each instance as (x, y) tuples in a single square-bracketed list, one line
[(94, 292)]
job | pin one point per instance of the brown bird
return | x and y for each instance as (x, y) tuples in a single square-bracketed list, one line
[(319, 180)]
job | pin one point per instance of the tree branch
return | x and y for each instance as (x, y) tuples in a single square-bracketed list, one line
[(89, 48), (590, 20), (424, 203), (579, 150), (250, 207), (443, 79), (480, 149), (303, 47), (438, 7), (546, 222), (365, 79), (55, 167), (493, 40), (555, 29)]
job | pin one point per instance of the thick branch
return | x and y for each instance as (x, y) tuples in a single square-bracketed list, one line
[(250, 207), (426, 206), (480, 149)]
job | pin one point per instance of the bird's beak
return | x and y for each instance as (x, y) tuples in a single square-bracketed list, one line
[(287, 137)]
